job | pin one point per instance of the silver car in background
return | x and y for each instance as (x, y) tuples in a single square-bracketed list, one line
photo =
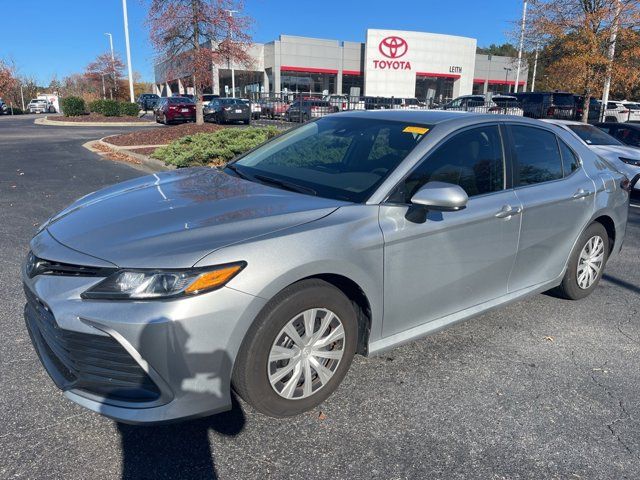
[(150, 300), (623, 157)]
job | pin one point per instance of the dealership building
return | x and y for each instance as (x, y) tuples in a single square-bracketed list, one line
[(391, 63)]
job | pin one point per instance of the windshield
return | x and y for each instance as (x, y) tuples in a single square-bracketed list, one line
[(340, 157), (180, 100), (593, 136)]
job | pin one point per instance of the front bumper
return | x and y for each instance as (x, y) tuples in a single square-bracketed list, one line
[(138, 361)]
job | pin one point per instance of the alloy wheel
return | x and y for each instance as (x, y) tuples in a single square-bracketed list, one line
[(306, 353), (590, 262)]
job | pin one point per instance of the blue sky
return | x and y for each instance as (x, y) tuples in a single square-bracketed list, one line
[(73, 32)]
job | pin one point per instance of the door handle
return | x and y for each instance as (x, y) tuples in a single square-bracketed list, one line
[(582, 193), (508, 211)]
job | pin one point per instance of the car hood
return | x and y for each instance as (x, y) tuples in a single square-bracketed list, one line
[(173, 219)]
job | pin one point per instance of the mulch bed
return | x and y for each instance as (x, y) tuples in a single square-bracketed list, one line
[(160, 135), (94, 117)]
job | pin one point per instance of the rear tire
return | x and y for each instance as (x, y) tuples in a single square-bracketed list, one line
[(329, 312), (586, 263)]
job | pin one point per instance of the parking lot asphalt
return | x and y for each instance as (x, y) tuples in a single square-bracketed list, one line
[(544, 388)]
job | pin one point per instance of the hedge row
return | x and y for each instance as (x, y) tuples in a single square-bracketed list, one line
[(215, 148), (113, 108), (72, 106)]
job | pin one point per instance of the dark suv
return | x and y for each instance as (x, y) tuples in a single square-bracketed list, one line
[(560, 105), (304, 109), (147, 101)]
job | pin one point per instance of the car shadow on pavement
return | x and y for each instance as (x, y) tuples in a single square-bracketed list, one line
[(182, 449), (621, 283)]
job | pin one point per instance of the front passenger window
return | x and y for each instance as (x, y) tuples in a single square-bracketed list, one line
[(537, 156), (472, 159)]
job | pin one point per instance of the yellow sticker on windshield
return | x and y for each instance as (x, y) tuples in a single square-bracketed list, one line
[(417, 130)]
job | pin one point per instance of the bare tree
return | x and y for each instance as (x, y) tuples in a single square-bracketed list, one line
[(193, 35)]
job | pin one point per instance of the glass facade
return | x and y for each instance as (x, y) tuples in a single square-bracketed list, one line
[(246, 83), (307, 82), (434, 89), (352, 81)]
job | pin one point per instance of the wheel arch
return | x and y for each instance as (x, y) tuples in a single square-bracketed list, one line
[(609, 225)]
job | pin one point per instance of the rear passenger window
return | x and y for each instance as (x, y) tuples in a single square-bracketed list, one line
[(570, 161), (537, 156), (472, 159)]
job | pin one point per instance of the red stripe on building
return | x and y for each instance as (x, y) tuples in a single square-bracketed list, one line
[(284, 68), (498, 82), (351, 72), (438, 75)]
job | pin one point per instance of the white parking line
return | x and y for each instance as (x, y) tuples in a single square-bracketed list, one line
[(635, 206)]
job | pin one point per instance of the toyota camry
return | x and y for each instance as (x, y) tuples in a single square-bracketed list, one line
[(152, 300)]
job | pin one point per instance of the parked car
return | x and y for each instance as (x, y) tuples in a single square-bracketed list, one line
[(505, 104), (594, 109), (623, 157), (273, 108), (4, 110), (398, 103), (339, 102), (207, 97), (174, 109), (465, 103), (627, 133), (619, 112), (305, 109), (39, 105), (225, 110), (255, 107), (547, 104), (354, 233), (147, 101), (190, 96)]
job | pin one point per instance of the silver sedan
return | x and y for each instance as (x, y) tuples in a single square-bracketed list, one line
[(151, 300)]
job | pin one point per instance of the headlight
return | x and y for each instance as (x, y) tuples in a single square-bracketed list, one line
[(631, 161), (149, 284)]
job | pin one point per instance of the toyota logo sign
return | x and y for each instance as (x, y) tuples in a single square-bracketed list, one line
[(393, 47)]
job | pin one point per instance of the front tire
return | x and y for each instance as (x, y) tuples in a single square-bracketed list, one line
[(586, 263), (298, 350)]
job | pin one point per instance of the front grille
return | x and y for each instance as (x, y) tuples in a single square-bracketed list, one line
[(40, 266), (95, 364)]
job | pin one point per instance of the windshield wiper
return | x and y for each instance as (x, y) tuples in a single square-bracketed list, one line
[(237, 171), (286, 185)]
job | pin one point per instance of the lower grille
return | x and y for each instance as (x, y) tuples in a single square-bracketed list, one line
[(95, 364)]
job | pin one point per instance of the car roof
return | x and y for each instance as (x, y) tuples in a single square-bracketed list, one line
[(433, 117), (563, 122)]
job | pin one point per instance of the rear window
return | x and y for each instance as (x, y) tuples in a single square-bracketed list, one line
[(593, 136), (180, 100), (564, 100)]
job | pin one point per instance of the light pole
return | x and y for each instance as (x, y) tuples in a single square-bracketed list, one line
[(126, 39), (522, 28), (113, 64), (535, 69), (233, 76), (22, 96), (507, 70), (610, 55)]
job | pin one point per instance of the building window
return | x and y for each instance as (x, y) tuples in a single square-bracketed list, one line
[(478, 88), (247, 83), (434, 89), (352, 81), (306, 82)]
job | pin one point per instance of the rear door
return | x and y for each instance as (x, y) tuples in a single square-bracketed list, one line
[(557, 198)]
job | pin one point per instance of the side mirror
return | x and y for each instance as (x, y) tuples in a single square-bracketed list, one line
[(441, 196)]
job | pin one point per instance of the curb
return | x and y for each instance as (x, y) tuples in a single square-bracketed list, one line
[(139, 161), (46, 121)]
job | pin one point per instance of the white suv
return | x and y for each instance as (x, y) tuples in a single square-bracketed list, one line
[(617, 111)]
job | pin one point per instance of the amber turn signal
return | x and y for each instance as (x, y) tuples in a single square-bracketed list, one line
[(214, 279)]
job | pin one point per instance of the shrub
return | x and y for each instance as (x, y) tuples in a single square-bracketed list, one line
[(215, 148), (72, 106), (129, 109), (96, 106), (110, 108), (16, 110)]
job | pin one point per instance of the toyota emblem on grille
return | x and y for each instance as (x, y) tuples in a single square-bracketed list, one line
[(393, 47)]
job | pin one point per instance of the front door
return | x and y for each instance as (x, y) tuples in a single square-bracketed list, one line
[(438, 263)]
